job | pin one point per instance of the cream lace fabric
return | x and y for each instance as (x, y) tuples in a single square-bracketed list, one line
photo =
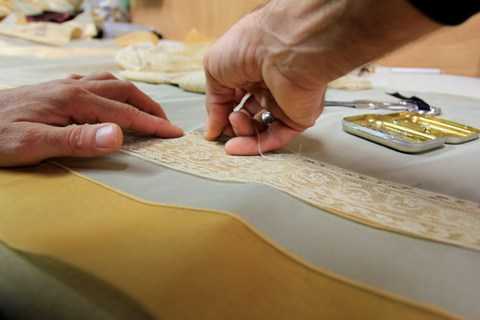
[(364, 199)]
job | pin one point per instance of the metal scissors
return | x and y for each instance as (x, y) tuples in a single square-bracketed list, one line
[(412, 104)]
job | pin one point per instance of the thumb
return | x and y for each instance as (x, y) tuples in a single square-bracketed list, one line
[(75, 141), (83, 140)]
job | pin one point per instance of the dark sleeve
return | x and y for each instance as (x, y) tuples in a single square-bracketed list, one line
[(448, 12)]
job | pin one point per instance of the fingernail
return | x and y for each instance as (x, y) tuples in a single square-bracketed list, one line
[(105, 137)]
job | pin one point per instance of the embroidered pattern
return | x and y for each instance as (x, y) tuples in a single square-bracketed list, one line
[(361, 198)]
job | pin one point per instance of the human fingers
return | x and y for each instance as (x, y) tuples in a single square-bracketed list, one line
[(31, 143), (91, 108), (228, 131), (75, 76), (123, 91), (107, 85), (94, 76), (220, 102), (231, 66), (277, 136), (99, 76), (242, 121), (242, 124)]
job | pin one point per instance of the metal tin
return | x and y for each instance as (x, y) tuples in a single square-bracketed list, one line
[(408, 131)]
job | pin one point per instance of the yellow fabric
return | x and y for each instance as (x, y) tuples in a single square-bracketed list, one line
[(178, 263)]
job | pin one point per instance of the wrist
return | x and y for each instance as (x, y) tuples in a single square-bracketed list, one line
[(299, 39), (315, 42)]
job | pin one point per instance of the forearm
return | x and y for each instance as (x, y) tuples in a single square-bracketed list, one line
[(320, 40)]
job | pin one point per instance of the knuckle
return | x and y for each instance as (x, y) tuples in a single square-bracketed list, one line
[(73, 139), (67, 81), (124, 89), (106, 75), (71, 91), (132, 115), (128, 85), (70, 142), (69, 97)]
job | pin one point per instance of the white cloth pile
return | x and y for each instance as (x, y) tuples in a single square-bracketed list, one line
[(57, 34), (172, 62), (180, 63)]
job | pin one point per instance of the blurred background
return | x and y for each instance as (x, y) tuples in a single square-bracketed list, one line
[(453, 50)]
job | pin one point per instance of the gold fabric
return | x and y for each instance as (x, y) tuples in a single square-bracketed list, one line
[(178, 263), (364, 199)]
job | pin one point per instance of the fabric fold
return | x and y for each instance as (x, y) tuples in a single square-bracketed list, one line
[(179, 263)]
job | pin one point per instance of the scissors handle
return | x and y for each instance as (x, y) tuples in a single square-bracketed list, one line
[(371, 104)]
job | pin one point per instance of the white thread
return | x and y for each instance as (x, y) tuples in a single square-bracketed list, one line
[(259, 144), (242, 102), (259, 147), (239, 107)]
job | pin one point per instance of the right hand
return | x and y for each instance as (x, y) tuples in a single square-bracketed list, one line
[(240, 62), (285, 54)]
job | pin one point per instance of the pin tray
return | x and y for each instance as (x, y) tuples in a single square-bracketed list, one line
[(408, 131)]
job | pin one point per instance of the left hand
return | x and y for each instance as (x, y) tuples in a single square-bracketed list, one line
[(76, 117)]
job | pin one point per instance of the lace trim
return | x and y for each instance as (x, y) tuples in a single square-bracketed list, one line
[(361, 198)]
